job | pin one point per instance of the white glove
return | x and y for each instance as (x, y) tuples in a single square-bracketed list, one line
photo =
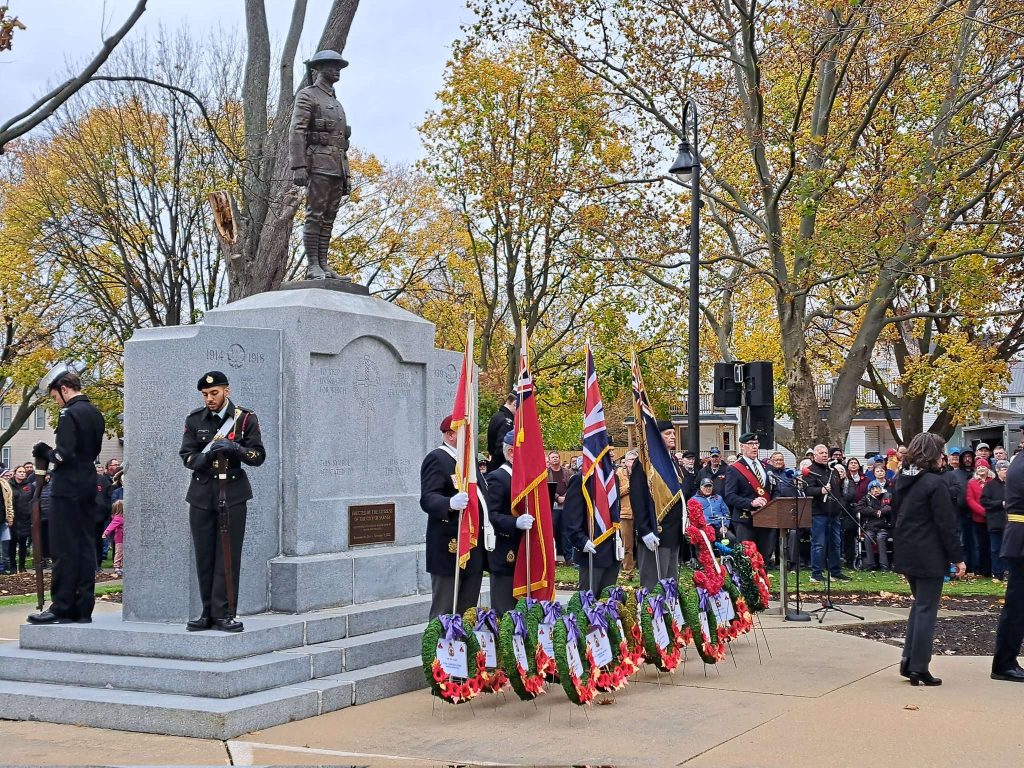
[(524, 522), (459, 501), (651, 541), (589, 548)]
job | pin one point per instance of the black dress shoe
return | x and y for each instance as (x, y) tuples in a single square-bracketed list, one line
[(905, 667), (83, 620), (198, 625), (924, 678), (228, 625), (1015, 675), (48, 617)]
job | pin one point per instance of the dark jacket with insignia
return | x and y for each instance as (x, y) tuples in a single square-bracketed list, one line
[(78, 441), (717, 477), (1013, 533), (739, 494), (436, 489), (670, 530), (502, 561), (577, 528), (201, 426)]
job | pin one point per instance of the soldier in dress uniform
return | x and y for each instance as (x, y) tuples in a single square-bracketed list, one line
[(665, 536), (577, 528), (77, 443), (317, 145), (508, 529), (219, 438), (1010, 631), (443, 503)]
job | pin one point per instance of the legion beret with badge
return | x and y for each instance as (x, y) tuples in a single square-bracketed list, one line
[(212, 379), (749, 437), (664, 426), (446, 424)]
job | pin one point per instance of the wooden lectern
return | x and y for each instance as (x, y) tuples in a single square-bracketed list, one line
[(784, 513)]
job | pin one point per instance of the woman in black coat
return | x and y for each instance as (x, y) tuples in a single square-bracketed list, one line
[(927, 541), (22, 528)]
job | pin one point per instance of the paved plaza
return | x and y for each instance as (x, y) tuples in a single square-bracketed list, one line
[(818, 698)]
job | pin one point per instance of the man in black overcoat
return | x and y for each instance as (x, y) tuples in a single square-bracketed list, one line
[(508, 531), (577, 527), (501, 423)]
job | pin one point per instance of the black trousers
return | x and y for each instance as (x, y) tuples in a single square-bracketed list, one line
[(442, 589), (209, 559), (501, 593), (1010, 631), (765, 539), (73, 539), (917, 647)]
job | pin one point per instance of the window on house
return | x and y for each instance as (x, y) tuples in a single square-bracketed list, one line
[(5, 416), (40, 418), (5, 456)]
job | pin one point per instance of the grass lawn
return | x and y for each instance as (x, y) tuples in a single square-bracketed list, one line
[(869, 582), (109, 589)]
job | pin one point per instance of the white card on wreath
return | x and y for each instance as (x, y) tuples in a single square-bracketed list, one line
[(722, 606), (545, 638), (452, 655), (486, 640), (572, 653), (622, 631), (660, 633), (600, 648), (519, 649), (704, 627), (677, 612)]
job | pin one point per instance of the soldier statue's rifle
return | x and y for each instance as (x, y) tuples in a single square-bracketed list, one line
[(37, 530)]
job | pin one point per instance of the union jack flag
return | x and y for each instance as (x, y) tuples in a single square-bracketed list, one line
[(597, 460)]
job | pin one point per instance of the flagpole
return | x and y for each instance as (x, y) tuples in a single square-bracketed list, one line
[(458, 546), (590, 516), (460, 476)]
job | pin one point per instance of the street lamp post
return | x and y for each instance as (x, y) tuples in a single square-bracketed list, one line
[(687, 168)]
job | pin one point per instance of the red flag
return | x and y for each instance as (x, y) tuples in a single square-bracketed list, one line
[(463, 416), (535, 570)]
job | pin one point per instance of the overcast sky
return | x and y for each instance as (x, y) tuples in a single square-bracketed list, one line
[(397, 51)]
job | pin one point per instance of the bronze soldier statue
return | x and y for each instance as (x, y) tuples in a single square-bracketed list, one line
[(317, 144)]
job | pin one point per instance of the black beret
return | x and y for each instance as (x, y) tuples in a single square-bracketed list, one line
[(664, 426), (212, 379), (747, 437)]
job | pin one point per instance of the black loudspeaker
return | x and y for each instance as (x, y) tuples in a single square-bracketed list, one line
[(761, 419), (727, 389), (760, 385)]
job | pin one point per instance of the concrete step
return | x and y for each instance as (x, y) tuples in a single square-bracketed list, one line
[(364, 651), (388, 679), (171, 714), (189, 678)]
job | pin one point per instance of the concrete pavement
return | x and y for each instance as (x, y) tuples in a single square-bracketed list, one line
[(817, 698)]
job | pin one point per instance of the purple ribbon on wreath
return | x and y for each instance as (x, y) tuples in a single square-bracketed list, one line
[(486, 619), (641, 595), (705, 599), (552, 611), (617, 595), (657, 603), (530, 602), (587, 599), (671, 589), (452, 625), (735, 576), (518, 624), (572, 629), (597, 616), (611, 609)]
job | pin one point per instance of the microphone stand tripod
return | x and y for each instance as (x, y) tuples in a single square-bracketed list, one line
[(826, 602), (799, 614)]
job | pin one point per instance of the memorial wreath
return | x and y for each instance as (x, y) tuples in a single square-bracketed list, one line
[(441, 633)]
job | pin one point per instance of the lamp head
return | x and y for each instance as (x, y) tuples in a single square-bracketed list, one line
[(685, 162)]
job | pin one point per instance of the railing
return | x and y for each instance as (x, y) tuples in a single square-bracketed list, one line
[(866, 398), (707, 404)]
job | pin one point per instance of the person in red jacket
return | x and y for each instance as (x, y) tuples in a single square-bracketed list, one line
[(975, 486)]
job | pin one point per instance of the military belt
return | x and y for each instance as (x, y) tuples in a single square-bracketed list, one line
[(327, 139), (1015, 518)]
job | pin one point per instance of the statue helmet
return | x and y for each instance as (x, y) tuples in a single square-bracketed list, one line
[(324, 58)]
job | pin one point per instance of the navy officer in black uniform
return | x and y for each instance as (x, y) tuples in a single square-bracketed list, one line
[(79, 438), (1010, 631), (577, 528), (508, 531), (443, 503), (219, 437)]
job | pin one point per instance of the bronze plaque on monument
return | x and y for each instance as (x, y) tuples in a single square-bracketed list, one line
[(371, 524)]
